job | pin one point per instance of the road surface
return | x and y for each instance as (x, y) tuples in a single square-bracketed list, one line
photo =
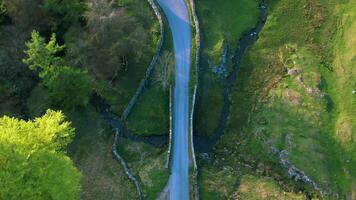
[(178, 19)]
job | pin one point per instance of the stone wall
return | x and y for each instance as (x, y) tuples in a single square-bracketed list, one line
[(170, 130), (124, 165), (149, 70), (135, 99)]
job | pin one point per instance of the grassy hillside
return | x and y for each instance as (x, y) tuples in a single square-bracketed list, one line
[(295, 93), (222, 24)]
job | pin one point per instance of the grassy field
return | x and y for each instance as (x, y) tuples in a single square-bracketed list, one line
[(147, 164), (222, 23), (307, 112), (153, 105), (260, 188)]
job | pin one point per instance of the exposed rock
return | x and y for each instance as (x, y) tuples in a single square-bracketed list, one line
[(299, 80), (294, 71), (309, 90), (220, 69)]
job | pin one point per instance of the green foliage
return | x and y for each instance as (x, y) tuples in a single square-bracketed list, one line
[(70, 88), (26, 14), (114, 41), (65, 12), (33, 162), (41, 57), (2, 8)]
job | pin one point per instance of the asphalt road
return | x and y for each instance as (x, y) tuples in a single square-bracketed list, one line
[(178, 19)]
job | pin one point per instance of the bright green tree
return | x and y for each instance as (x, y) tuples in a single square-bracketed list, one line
[(68, 87), (41, 56), (33, 160)]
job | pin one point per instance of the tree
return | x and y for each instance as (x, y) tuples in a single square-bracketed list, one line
[(3, 11), (26, 14), (165, 70), (33, 160), (40, 55), (68, 87), (113, 40), (64, 12)]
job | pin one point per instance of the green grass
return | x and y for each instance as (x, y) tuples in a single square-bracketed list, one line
[(102, 176), (212, 186), (222, 23), (147, 164), (344, 66), (317, 131), (261, 188), (151, 115), (153, 105)]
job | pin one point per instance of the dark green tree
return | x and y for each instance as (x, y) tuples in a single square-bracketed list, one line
[(34, 165), (3, 11), (68, 87), (64, 12)]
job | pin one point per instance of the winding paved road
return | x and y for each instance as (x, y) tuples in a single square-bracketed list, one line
[(178, 18)]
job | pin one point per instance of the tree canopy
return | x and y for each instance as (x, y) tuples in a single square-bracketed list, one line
[(41, 57), (69, 87), (55, 14), (33, 160)]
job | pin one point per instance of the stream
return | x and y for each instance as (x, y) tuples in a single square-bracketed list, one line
[(205, 144)]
